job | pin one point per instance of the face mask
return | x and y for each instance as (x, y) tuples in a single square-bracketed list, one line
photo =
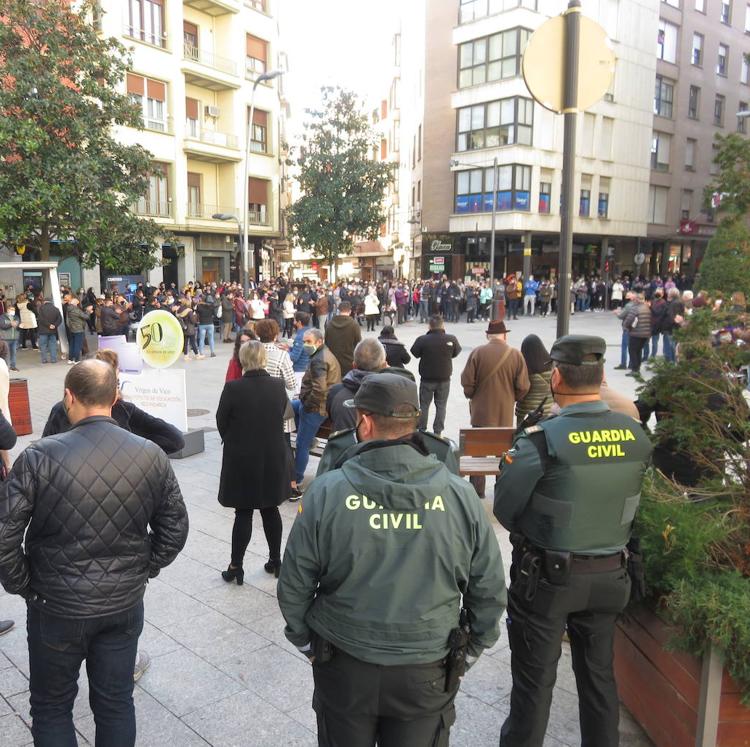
[(356, 430), (309, 349)]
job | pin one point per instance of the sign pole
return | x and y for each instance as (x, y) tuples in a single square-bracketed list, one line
[(493, 311), (570, 111)]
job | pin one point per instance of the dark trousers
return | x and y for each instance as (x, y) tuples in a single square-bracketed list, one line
[(57, 646), (358, 703), (513, 307), (242, 531), (371, 319), (439, 390), (76, 346), (636, 346), (190, 341), (28, 334), (588, 604)]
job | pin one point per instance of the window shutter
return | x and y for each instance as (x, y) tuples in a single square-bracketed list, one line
[(191, 108), (193, 180), (190, 28), (136, 84), (260, 118), (257, 191), (156, 90), (256, 48)]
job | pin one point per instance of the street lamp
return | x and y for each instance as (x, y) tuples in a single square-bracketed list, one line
[(229, 216), (245, 211), (455, 163)]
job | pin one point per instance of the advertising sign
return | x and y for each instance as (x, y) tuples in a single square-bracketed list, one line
[(160, 339), (160, 393)]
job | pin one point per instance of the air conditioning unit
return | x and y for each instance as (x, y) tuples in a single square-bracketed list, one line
[(213, 111)]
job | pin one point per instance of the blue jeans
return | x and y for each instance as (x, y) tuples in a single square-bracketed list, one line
[(624, 349), (48, 343), (424, 311), (307, 426), (202, 329), (12, 347), (654, 345), (669, 351), (76, 345), (57, 647)]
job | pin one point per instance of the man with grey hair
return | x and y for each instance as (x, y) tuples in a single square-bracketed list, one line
[(369, 356), (322, 373)]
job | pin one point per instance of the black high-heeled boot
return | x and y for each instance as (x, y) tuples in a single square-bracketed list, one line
[(273, 566), (234, 574)]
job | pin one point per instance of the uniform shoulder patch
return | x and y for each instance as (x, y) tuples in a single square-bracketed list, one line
[(532, 429)]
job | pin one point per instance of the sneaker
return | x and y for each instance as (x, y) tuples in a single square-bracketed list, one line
[(620, 368), (213, 355), (186, 357), (71, 363), (142, 663), (13, 368), (6, 626), (296, 494), (199, 357)]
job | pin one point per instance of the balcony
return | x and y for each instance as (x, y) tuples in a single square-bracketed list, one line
[(209, 70), (152, 37), (214, 7), (212, 146), (258, 217), (153, 208), (201, 211)]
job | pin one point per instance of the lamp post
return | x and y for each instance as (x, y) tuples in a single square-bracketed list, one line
[(229, 216), (455, 163), (245, 186)]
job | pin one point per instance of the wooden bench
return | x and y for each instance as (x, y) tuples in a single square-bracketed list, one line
[(480, 450), (321, 439)]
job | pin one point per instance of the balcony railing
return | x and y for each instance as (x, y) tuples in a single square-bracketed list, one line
[(209, 59), (152, 207), (257, 217), (206, 212), (148, 36), (212, 137)]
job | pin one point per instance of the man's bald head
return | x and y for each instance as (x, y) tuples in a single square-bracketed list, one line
[(92, 383)]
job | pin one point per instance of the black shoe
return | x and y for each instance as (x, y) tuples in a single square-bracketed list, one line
[(234, 574), (296, 494), (633, 373), (274, 567), (620, 368)]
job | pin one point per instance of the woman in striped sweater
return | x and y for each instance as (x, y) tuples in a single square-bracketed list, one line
[(539, 366)]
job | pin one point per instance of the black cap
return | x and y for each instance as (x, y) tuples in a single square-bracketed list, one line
[(386, 394), (574, 349)]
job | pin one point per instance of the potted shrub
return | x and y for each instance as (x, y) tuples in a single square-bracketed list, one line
[(683, 652)]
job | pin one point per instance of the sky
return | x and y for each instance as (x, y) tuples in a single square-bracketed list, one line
[(336, 42)]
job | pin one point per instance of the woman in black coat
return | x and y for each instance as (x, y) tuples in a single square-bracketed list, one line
[(254, 467), (395, 352)]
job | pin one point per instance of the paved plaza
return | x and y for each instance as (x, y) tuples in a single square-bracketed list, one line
[(222, 671)]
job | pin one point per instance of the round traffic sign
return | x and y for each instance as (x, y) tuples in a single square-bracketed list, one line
[(639, 258), (545, 52)]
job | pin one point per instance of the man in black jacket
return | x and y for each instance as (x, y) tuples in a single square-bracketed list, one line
[(49, 319), (102, 513), (8, 440), (436, 351)]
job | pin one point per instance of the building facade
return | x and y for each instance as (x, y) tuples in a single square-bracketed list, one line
[(194, 66)]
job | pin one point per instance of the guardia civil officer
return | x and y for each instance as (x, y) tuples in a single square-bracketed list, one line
[(384, 552), (568, 492)]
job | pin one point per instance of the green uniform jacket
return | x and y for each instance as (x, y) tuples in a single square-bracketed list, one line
[(382, 552), (344, 445)]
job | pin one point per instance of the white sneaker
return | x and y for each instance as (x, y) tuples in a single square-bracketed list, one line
[(186, 357), (142, 663), (71, 363), (199, 357)]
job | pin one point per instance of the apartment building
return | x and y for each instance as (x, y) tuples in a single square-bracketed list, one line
[(194, 67), (702, 86)]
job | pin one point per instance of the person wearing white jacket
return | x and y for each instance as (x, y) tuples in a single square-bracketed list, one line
[(372, 308)]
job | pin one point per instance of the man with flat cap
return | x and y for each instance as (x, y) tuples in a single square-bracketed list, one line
[(385, 552), (568, 493)]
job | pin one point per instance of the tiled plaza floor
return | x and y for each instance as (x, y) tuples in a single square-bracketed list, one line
[(222, 673)]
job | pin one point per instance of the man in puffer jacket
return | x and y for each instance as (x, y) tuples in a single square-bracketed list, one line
[(637, 323), (102, 513)]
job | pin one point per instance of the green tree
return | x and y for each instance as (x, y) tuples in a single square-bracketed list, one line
[(726, 266), (65, 181), (342, 186), (732, 181)]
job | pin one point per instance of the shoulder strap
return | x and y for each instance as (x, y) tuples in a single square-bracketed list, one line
[(496, 368)]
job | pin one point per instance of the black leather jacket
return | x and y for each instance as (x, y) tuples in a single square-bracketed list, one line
[(88, 498)]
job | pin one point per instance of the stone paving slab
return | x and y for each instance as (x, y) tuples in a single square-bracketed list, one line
[(222, 672)]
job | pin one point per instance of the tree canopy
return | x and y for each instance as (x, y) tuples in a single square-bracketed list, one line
[(342, 185), (67, 183)]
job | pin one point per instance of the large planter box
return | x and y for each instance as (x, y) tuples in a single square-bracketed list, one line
[(679, 700)]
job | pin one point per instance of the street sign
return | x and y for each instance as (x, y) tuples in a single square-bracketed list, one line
[(639, 258), (545, 52)]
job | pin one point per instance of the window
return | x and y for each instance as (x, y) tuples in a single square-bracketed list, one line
[(694, 102), (195, 207), (471, 10), (151, 96), (145, 21), (190, 40), (726, 12), (414, 152), (666, 41), (156, 200), (747, 19), (419, 143), (587, 136), (257, 5), (686, 203), (545, 197), (690, 148), (663, 97), (419, 193), (745, 70), (719, 105), (584, 204), (602, 209), (257, 201), (700, 6), (259, 140), (475, 189), (493, 57), (496, 123), (660, 146), (742, 120), (257, 55), (697, 54), (606, 138), (192, 117), (657, 204), (722, 62)]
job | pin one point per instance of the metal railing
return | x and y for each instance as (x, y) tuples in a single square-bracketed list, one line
[(213, 137), (205, 212), (258, 217), (153, 208), (209, 59), (147, 36)]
